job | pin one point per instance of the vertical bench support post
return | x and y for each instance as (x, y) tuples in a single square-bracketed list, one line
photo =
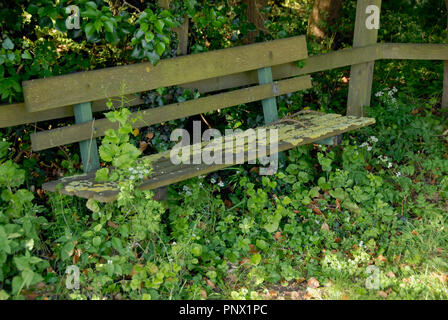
[(361, 75), (270, 111), (88, 148), (270, 104)]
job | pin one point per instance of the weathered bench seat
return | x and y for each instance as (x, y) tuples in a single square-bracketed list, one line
[(304, 129)]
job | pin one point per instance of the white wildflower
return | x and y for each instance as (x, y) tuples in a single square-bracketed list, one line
[(213, 180), (373, 139), (398, 174), (221, 184), (365, 144)]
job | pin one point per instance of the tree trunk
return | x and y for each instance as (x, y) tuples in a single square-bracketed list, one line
[(324, 15), (254, 16)]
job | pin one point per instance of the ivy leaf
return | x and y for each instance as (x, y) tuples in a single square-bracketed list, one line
[(90, 29), (89, 13), (116, 243), (109, 26), (4, 146), (160, 48), (26, 55), (67, 250), (159, 26), (153, 57), (8, 44), (92, 5), (96, 241), (98, 25), (144, 27)]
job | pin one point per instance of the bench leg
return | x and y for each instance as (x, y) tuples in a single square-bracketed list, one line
[(161, 194), (89, 149)]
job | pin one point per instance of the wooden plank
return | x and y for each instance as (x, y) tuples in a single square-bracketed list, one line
[(61, 136), (16, 114), (270, 104), (361, 75), (306, 129), (88, 148), (53, 92), (332, 60), (413, 51)]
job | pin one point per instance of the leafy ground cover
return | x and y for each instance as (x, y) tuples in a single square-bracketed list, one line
[(363, 220)]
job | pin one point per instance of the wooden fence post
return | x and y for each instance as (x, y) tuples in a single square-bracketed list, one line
[(182, 31), (361, 75), (445, 74)]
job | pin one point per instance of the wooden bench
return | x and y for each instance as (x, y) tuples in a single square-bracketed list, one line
[(82, 90)]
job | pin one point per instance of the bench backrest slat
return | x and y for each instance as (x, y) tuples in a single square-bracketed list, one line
[(79, 132), (16, 114), (54, 92)]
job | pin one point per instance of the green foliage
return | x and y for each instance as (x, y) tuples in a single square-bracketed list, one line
[(378, 199), (20, 266)]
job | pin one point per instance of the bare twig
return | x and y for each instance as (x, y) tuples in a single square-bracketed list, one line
[(131, 6)]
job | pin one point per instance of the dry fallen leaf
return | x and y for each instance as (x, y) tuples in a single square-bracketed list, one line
[(313, 283), (203, 294), (415, 233), (211, 284), (295, 295), (442, 277), (228, 203), (112, 224), (142, 146), (383, 294), (391, 274), (381, 258), (273, 294), (338, 205), (277, 235), (325, 227), (150, 136)]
